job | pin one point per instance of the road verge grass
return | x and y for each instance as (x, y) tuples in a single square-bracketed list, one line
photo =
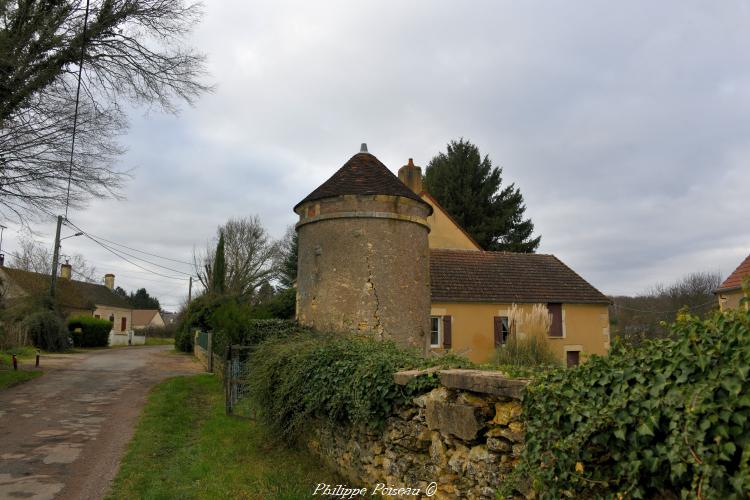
[(9, 378), (159, 341), (186, 447)]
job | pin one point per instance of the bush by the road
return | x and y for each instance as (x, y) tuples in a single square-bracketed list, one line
[(46, 330), (87, 331), (232, 321)]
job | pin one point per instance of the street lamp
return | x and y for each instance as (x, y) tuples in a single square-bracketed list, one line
[(71, 236)]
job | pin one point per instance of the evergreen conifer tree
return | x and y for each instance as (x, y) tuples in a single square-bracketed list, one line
[(470, 188), (288, 267), (220, 268)]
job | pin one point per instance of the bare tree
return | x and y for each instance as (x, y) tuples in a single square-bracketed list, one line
[(36, 257), (645, 316), (134, 50), (250, 253)]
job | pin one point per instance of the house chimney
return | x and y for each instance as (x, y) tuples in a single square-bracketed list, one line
[(66, 270), (411, 175), (109, 281)]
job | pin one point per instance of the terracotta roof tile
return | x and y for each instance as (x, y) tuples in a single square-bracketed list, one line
[(70, 293), (738, 276), (362, 174), (506, 277)]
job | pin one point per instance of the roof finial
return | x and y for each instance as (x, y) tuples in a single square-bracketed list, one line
[(363, 148)]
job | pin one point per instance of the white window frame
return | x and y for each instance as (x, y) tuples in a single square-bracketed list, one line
[(439, 331)]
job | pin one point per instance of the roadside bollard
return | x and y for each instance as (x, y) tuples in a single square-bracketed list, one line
[(37, 358), (15, 362)]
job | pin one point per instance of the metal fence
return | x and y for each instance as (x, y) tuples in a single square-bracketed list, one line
[(236, 377), (202, 339)]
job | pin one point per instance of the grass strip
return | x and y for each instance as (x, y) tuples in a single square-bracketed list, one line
[(9, 378), (159, 341), (185, 447)]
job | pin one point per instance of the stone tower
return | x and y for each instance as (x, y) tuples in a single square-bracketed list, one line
[(363, 255)]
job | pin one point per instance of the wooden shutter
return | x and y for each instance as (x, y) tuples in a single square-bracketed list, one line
[(573, 358), (447, 333), (556, 329), (498, 320)]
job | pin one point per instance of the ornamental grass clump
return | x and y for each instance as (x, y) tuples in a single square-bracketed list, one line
[(670, 417), (527, 344)]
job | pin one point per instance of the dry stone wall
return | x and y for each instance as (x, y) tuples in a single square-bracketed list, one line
[(460, 440)]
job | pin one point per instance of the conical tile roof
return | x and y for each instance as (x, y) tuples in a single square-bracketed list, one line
[(363, 174)]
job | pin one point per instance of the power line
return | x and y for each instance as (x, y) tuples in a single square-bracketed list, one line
[(75, 115), (131, 262), (119, 252), (141, 251)]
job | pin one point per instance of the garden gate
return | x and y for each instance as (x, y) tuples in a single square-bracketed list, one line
[(236, 378)]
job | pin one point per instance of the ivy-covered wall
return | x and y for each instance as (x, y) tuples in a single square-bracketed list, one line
[(461, 439)]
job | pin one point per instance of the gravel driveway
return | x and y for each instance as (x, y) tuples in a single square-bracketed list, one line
[(63, 435)]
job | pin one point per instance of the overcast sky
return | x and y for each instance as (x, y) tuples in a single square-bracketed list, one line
[(626, 126)]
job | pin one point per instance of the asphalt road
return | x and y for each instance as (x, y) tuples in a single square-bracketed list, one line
[(63, 435)]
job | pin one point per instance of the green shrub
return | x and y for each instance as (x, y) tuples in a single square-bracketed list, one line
[(88, 331), (345, 379), (234, 322), (183, 340), (670, 416), (284, 304), (46, 330)]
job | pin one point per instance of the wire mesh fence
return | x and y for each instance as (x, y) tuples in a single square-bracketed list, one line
[(236, 378)]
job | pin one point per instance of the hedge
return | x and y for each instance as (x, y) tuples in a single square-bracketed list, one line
[(87, 331), (346, 379), (670, 416)]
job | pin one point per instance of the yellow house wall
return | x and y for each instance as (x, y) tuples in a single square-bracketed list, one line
[(730, 300), (444, 233), (585, 328)]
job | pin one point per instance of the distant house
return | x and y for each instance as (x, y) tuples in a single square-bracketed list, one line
[(147, 318), (76, 298), (730, 291), (473, 292), (169, 317)]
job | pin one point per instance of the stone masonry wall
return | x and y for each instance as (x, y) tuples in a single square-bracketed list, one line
[(365, 268), (464, 436)]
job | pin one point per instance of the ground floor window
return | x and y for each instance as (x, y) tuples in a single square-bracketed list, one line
[(123, 324), (502, 330), (436, 331), (573, 358)]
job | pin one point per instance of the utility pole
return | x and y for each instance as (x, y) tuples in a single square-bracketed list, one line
[(2, 255), (190, 291), (55, 257)]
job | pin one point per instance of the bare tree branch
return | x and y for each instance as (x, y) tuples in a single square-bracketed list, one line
[(250, 254), (134, 50)]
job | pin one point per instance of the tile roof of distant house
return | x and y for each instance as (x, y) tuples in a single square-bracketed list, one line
[(506, 277), (735, 279), (363, 174), (142, 317), (70, 293)]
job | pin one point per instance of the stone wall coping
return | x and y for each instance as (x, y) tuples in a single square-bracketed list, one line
[(482, 381)]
